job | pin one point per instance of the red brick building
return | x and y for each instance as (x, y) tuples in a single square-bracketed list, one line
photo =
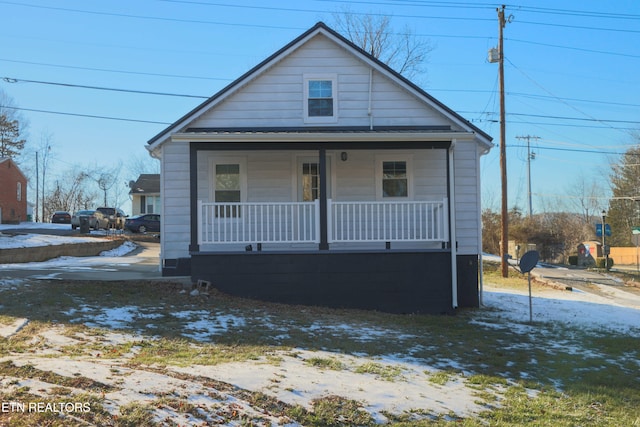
[(13, 193)]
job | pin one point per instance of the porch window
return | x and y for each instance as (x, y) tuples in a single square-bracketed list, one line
[(227, 189), (394, 179), (320, 98), (310, 182), (394, 174)]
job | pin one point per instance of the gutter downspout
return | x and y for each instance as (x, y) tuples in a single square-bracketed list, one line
[(369, 109), (161, 157), (452, 225)]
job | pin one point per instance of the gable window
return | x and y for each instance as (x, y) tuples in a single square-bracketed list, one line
[(19, 192), (320, 98), (320, 103)]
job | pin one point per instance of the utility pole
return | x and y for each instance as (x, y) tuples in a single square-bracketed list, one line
[(529, 158), (504, 222), (37, 186)]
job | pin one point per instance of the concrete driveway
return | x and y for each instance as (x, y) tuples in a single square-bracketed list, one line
[(141, 264)]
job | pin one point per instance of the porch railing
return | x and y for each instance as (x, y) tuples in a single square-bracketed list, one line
[(293, 222), (411, 221), (299, 222)]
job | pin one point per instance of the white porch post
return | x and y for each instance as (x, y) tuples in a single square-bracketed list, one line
[(452, 226), (200, 223)]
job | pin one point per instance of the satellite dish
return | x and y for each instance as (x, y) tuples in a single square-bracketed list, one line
[(529, 261)]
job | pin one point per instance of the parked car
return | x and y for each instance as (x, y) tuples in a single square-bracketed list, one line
[(96, 219), (61, 217), (115, 216), (143, 223)]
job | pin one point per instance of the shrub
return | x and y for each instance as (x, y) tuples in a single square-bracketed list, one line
[(600, 262)]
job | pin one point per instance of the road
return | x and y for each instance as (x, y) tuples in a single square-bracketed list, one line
[(603, 284)]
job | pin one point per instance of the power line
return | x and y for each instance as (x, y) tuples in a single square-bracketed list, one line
[(580, 27), (151, 18), (582, 126), (536, 96), (580, 49), (573, 150), (553, 11), (90, 116), (456, 5), (103, 88), (552, 94), (144, 92), (110, 70)]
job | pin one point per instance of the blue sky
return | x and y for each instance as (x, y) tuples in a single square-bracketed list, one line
[(572, 75)]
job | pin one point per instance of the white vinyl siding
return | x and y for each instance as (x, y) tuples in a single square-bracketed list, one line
[(174, 181), (277, 97), (467, 164)]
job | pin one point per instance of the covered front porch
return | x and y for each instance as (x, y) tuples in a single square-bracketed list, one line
[(366, 191), (353, 219)]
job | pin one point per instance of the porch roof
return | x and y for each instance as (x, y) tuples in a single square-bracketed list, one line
[(316, 135)]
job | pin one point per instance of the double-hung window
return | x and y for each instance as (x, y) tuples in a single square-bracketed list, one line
[(320, 93), (393, 177), (229, 186)]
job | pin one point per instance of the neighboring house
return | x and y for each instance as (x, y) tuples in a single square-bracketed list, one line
[(145, 194), (321, 176), (13, 193)]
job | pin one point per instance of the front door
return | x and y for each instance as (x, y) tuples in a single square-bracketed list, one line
[(308, 172)]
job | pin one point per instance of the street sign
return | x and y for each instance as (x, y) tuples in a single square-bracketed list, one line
[(607, 230)]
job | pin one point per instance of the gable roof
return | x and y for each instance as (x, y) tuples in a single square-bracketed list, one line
[(14, 164), (318, 28), (147, 183)]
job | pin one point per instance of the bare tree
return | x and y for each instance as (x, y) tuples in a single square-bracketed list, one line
[(106, 180), (72, 193), (141, 164), (45, 154), (586, 197), (403, 51)]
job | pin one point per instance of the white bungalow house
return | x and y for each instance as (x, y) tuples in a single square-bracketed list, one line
[(321, 176)]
